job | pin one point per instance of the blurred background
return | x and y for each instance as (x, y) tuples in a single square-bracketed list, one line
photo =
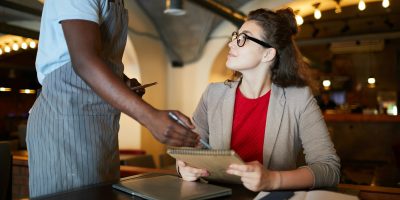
[(351, 46)]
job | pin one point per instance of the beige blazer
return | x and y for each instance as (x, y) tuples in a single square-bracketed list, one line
[(294, 121)]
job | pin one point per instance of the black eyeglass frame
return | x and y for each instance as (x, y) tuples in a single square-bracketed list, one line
[(235, 35)]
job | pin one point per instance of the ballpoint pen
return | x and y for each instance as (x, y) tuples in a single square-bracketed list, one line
[(176, 118)]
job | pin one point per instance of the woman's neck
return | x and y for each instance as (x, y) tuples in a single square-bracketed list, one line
[(254, 85)]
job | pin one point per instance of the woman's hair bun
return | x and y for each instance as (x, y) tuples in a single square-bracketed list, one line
[(288, 14)]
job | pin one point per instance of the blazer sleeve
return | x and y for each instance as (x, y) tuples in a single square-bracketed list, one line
[(200, 118), (319, 151)]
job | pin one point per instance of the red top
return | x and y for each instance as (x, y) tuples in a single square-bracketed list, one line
[(249, 122)]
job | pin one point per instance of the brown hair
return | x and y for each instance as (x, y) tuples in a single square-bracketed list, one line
[(279, 28)]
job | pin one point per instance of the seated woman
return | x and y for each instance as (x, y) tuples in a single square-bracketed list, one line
[(268, 114)]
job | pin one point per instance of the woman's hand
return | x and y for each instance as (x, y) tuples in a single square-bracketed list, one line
[(190, 173), (255, 177)]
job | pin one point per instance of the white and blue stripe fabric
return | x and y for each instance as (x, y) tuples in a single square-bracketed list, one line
[(72, 136)]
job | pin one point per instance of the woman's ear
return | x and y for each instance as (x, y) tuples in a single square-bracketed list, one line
[(269, 55)]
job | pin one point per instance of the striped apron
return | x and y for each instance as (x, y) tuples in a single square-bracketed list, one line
[(72, 133)]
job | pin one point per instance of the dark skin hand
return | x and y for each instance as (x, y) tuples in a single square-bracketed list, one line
[(84, 45), (133, 82)]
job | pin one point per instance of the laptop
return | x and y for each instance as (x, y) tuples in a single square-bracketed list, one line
[(167, 187)]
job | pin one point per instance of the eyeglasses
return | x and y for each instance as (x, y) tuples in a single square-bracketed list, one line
[(242, 37)]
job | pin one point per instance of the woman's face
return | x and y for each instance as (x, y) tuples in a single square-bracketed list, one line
[(250, 54)]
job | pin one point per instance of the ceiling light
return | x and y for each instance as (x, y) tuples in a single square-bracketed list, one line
[(326, 84), (385, 3), (361, 5), (338, 8), (7, 49), (5, 89), (32, 44), (371, 80), (15, 47), (317, 12), (24, 45), (27, 91), (174, 7), (299, 19)]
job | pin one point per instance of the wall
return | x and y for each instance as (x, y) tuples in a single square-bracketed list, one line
[(129, 134), (152, 63)]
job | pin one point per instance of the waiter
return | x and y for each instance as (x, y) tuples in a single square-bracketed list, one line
[(72, 129)]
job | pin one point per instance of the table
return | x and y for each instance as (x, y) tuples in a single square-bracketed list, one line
[(106, 192)]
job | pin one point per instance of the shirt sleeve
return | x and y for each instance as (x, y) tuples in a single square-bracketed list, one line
[(79, 9), (319, 150)]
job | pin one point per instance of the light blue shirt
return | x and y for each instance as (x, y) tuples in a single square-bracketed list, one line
[(52, 50)]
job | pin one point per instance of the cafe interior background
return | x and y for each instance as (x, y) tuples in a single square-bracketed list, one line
[(351, 46)]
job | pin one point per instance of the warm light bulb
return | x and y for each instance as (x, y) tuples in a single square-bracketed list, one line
[(7, 49), (32, 44), (317, 14), (338, 9), (1, 51), (27, 91), (15, 47), (24, 45), (326, 83), (361, 5), (5, 89), (385, 3), (299, 20), (371, 80)]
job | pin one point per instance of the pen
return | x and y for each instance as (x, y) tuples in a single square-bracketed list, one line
[(176, 118), (143, 86)]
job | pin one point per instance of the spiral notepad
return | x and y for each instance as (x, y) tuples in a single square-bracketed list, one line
[(216, 162)]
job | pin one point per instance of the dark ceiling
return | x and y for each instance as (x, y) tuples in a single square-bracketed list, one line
[(185, 36), (376, 21)]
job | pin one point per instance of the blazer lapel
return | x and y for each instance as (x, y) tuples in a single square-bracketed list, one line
[(274, 118), (228, 105)]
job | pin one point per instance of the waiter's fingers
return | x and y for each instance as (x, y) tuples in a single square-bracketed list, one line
[(170, 132), (133, 82), (185, 119), (177, 139), (180, 135), (140, 92)]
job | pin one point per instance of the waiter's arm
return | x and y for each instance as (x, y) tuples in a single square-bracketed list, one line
[(84, 45)]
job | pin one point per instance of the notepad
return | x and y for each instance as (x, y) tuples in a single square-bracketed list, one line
[(216, 162), (167, 187)]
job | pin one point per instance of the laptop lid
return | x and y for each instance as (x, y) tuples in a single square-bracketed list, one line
[(167, 187)]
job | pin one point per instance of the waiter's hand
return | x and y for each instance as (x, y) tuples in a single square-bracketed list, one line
[(133, 82), (169, 132)]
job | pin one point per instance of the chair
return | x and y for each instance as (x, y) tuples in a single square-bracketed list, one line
[(5, 171), (136, 157), (167, 162)]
